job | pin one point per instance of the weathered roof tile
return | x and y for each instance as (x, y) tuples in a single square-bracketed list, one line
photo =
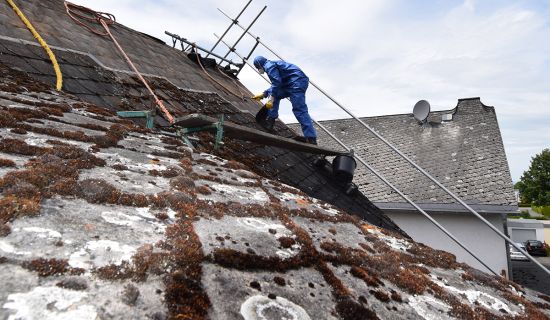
[(458, 153)]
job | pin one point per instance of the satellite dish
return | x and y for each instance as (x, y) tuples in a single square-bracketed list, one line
[(421, 110)]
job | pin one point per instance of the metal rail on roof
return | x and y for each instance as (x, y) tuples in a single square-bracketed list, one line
[(376, 173), (183, 40), (410, 161)]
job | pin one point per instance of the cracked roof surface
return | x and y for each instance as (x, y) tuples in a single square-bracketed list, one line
[(101, 218), (465, 154)]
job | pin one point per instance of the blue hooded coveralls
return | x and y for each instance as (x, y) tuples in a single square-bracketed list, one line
[(287, 81)]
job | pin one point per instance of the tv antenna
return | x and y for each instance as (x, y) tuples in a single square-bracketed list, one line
[(187, 44)]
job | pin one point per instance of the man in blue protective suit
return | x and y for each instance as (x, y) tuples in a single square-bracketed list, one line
[(287, 81)]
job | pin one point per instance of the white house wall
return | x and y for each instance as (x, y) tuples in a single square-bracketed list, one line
[(484, 242)]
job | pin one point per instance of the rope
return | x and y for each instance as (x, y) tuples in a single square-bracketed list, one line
[(169, 117), (226, 89), (92, 17), (105, 19), (241, 94), (59, 76)]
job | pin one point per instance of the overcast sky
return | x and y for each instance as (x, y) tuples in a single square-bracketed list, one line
[(379, 57)]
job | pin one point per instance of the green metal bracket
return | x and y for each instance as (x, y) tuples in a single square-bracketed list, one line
[(219, 133), (183, 136), (183, 132), (149, 115)]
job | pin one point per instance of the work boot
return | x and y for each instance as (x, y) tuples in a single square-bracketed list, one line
[(311, 141), (306, 140), (268, 123)]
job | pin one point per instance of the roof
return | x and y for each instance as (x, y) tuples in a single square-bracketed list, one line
[(108, 219), (149, 54), (95, 72), (102, 218), (466, 154), (526, 223)]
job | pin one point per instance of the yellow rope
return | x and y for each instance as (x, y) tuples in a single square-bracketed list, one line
[(43, 43)]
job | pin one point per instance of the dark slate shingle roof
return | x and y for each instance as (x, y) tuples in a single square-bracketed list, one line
[(150, 55), (466, 154)]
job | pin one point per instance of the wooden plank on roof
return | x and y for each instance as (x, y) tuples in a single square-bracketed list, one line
[(253, 135)]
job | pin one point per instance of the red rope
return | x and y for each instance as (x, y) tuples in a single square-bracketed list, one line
[(241, 94), (105, 19), (226, 89), (157, 100), (73, 10)]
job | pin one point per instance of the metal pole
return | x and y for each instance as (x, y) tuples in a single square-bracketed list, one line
[(464, 204), (247, 57), (376, 173), (234, 21), (232, 49), (183, 40)]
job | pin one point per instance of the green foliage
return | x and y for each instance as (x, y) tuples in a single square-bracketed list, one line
[(523, 214), (544, 210), (534, 185)]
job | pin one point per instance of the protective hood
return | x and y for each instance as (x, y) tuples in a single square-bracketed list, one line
[(259, 62)]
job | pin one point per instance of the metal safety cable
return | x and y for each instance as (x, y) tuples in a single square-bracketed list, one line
[(105, 19), (49, 52)]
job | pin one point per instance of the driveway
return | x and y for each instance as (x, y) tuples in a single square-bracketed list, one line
[(528, 274)]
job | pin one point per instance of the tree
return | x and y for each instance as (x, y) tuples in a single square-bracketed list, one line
[(534, 185)]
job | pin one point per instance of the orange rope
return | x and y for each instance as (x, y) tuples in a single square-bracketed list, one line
[(241, 94), (93, 16), (105, 19), (226, 89), (157, 100)]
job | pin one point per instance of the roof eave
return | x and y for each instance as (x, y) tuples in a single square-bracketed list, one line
[(446, 207)]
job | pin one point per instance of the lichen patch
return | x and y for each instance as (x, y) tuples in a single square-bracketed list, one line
[(101, 253), (261, 307), (50, 303)]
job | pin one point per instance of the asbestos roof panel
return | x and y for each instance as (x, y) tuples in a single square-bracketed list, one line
[(129, 94)]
